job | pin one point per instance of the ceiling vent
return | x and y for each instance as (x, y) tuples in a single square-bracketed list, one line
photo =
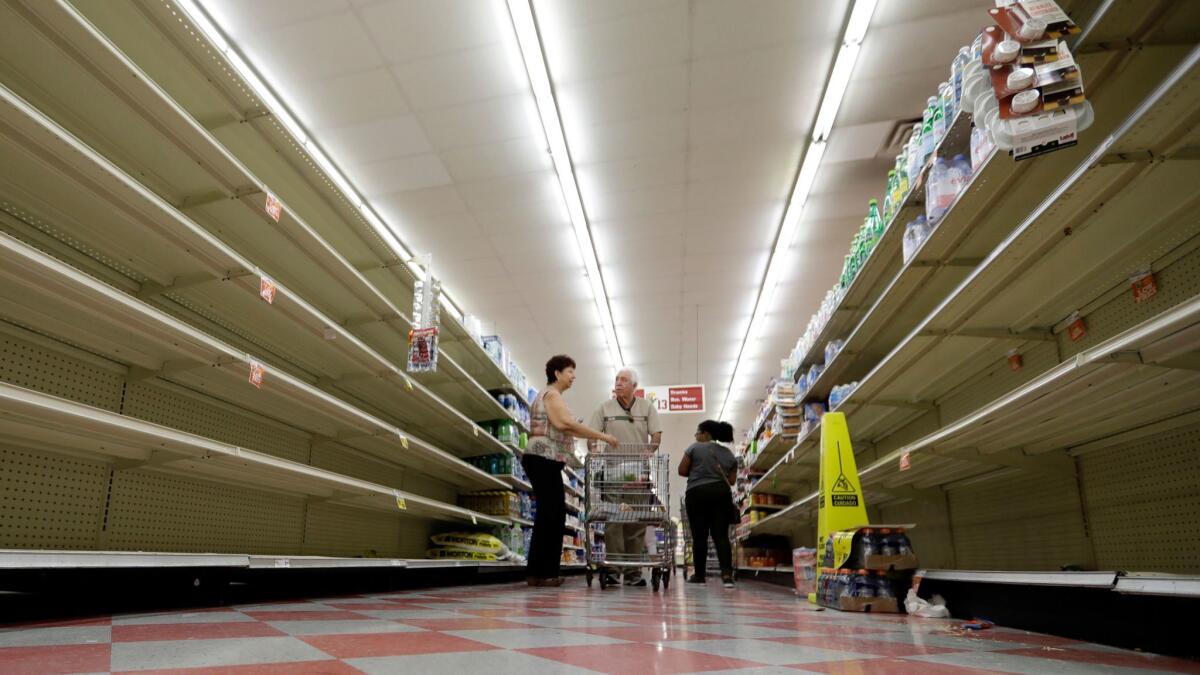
[(895, 139)]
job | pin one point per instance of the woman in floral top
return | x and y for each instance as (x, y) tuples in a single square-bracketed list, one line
[(551, 446)]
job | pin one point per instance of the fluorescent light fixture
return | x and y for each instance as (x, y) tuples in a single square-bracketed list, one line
[(528, 40), (202, 17), (835, 91)]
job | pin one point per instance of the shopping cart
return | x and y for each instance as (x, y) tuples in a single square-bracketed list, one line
[(628, 484)]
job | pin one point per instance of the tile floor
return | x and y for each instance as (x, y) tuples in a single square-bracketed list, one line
[(511, 629)]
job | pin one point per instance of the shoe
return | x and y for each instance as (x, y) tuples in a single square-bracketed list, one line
[(611, 580), (727, 581), (695, 579), (545, 582), (638, 583)]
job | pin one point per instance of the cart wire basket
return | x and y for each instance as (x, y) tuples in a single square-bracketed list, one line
[(628, 484)]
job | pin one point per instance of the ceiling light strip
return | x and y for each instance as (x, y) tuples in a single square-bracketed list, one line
[(533, 56), (203, 19), (835, 91)]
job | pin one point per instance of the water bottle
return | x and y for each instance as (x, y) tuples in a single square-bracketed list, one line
[(874, 217), (901, 177), (902, 543), (960, 173), (941, 119), (960, 70), (889, 199), (929, 136), (915, 160), (854, 583), (934, 204), (911, 241), (887, 542), (870, 585), (870, 544), (883, 585), (829, 551)]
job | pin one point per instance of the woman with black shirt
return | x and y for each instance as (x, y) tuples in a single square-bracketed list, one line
[(711, 469)]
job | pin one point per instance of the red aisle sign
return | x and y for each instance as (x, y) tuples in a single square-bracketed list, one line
[(682, 398)]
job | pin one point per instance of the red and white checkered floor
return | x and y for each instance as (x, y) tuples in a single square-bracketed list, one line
[(505, 629)]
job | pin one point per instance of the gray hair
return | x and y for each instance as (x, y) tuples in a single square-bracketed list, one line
[(630, 372)]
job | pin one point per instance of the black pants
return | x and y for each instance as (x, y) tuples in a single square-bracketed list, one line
[(545, 548), (708, 509)]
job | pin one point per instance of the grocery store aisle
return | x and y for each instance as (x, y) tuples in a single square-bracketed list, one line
[(512, 629)]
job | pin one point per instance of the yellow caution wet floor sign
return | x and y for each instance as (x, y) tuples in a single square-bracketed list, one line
[(842, 506)]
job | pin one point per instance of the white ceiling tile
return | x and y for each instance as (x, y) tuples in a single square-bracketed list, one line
[(541, 215), (339, 101), (244, 18), (631, 139), (416, 204), (722, 27), (597, 181), (654, 37), (558, 241), (638, 203), (480, 122), (375, 140), (500, 193), (397, 175), (625, 232), (775, 162), (661, 91), (475, 74), (406, 30), (324, 47), (786, 74), (497, 160), (743, 121), (577, 13), (721, 192), (646, 251)]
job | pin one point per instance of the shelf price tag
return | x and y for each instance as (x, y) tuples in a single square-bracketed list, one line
[(266, 290), (473, 520), (906, 461), (475, 429), (404, 441), (1145, 286), (257, 373), (401, 504), (1015, 361), (274, 207), (1077, 329), (407, 383)]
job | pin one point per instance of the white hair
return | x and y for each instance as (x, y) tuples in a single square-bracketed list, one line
[(630, 373)]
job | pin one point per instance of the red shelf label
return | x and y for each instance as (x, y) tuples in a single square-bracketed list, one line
[(266, 290), (274, 207)]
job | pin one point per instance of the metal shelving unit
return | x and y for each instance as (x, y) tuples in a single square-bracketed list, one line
[(204, 88), (222, 210), (46, 294), (915, 380), (130, 445), (135, 244), (1086, 398)]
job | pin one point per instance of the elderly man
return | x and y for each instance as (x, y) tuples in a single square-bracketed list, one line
[(633, 421)]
